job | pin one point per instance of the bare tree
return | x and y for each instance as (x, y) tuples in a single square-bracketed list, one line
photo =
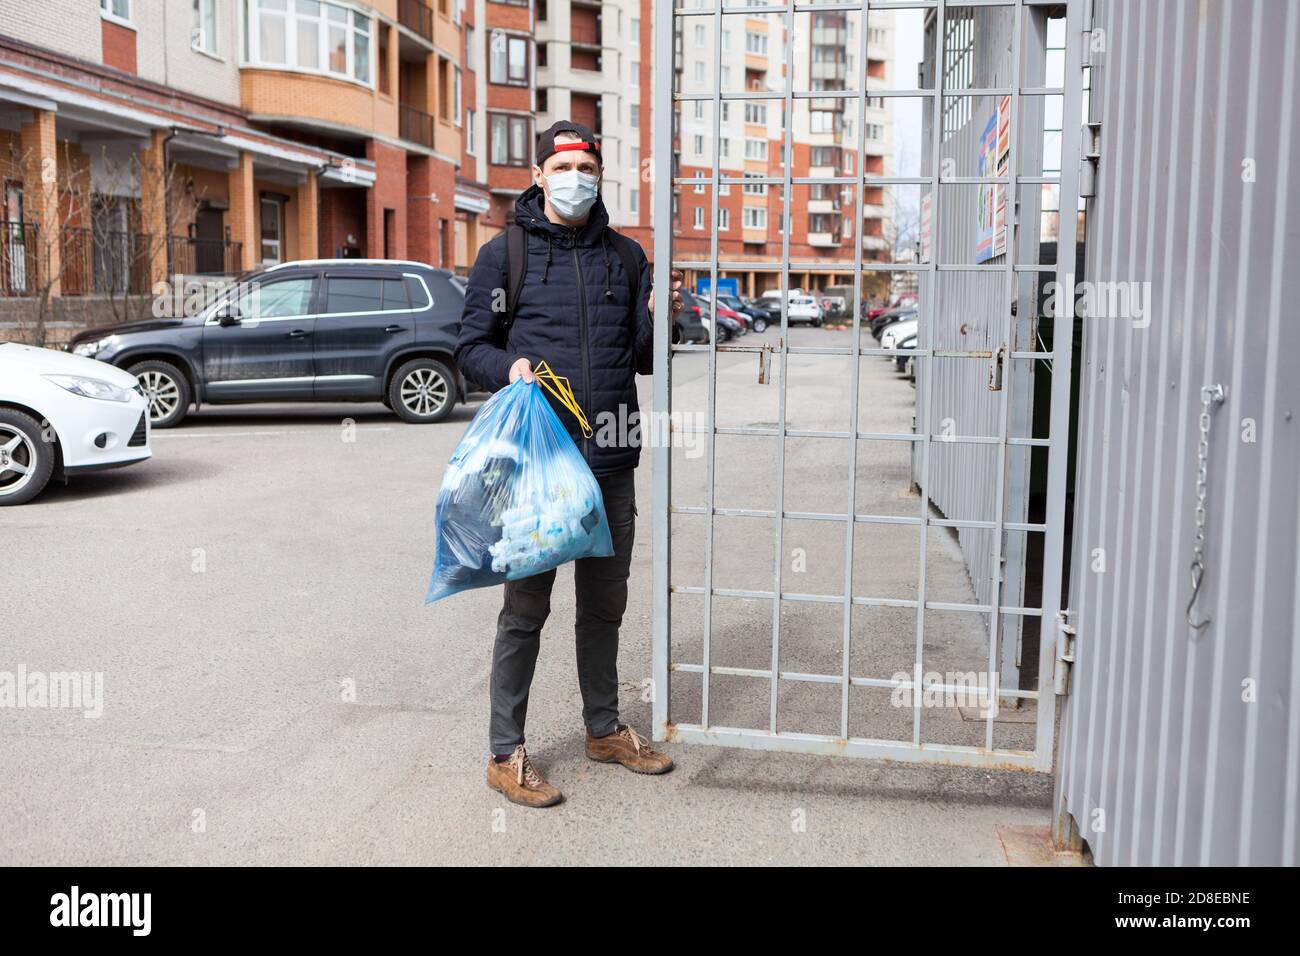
[(31, 267)]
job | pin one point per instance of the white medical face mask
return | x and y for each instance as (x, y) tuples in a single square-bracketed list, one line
[(572, 193)]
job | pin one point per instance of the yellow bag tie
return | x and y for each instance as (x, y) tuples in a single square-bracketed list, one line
[(559, 386)]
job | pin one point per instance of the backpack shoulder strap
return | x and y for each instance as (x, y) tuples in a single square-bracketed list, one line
[(516, 269), (623, 246)]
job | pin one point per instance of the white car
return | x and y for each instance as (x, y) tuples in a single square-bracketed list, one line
[(894, 335), (66, 414)]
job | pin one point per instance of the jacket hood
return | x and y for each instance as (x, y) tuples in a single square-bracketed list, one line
[(530, 212)]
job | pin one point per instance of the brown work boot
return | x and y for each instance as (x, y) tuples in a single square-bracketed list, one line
[(519, 780), (626, 746)]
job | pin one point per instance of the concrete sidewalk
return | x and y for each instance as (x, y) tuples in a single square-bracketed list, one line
[(275, 691)]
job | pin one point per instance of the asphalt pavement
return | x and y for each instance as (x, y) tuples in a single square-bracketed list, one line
[(276, 692)]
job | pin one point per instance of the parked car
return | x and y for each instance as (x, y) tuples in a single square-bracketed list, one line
[(896, 333), (707, 303), (886, 319), (801, 308), (752, 314), (688, 324), (904, 363), (729, 327), (319, 330), (63, 415)]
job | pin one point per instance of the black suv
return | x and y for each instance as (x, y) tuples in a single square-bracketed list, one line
[(316, 330)]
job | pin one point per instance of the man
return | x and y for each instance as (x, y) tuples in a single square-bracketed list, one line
[(581, 309)]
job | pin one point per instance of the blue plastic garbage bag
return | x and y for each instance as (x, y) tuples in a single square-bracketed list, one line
[(517, 498)]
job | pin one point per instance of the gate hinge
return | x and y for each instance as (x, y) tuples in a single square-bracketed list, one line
[(1064, 652), (1091, 150)]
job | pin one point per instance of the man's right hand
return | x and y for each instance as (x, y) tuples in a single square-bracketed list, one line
[(521, 369)]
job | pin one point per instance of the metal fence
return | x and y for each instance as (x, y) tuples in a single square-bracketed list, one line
[(956, 370), (189, 255), (19, 257), (106, 262)]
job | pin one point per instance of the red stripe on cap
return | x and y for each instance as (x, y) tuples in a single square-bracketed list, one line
[(592, 147)]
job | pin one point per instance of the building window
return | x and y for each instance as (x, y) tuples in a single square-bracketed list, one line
[(633, 200), (455, 93), (756, 43), (634, 116), (724, 148), (756, 149), (635, 78), (508, 59), (754, 189), (699, 145), (509, 140), (822, 222), (958, 68), (116, 10), (724, 219), (272, 229), (699, 217), (541, 11), (470, 148), (699, 34), (754, 217), (203, 26), (309, 35), (542, 50), (756, 113), (825, 156), (471, 58)]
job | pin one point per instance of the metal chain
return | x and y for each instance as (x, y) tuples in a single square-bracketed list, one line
[(1211, 396)]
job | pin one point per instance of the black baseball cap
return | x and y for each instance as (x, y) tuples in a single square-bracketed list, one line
[(546, 147)]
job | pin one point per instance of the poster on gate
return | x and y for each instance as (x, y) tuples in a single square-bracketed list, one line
[(991, 211)]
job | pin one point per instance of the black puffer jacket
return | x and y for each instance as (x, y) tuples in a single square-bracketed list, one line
[(575, 314)]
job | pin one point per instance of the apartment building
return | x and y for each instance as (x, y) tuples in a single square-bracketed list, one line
[(750, 56), (141, 139)]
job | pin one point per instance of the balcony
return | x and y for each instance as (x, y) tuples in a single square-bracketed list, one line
[(416, 125), (99, 262), (203, 257), (823, 239), (416, 17)]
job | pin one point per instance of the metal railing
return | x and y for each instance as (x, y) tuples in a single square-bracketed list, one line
[(416, 17), (19, 255), (103, 262), (189, 255), (416, 125)]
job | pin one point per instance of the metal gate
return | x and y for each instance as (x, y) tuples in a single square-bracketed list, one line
[(930, 540)]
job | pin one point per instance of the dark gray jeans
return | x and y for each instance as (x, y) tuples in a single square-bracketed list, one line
[(601, 588)]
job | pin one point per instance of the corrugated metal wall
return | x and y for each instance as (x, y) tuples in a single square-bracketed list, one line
[(1178, 750)]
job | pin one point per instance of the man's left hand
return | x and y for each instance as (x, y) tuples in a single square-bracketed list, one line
[(676, 286)]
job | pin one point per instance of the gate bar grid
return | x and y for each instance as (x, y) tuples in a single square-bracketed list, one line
[(1010, 242), (1041, 757), (925, 331), (787, 157), (860, 207)]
